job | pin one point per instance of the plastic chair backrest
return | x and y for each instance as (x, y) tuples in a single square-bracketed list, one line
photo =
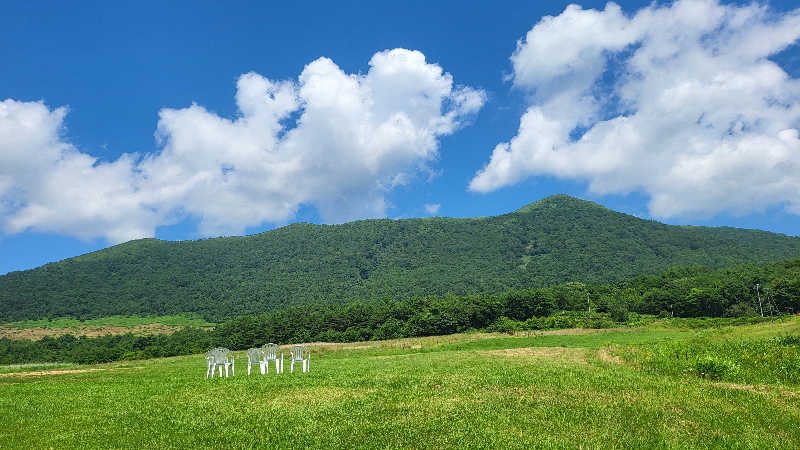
[(298, 352), (270, 351), (222, 355), (254, 355)]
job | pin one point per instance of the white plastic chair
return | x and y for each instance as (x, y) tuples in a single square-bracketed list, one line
[(272, 352), (210, 364), (255, 356), (220, 358), (300, 354)]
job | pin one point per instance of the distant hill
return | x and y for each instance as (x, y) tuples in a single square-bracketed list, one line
[(551, 241)]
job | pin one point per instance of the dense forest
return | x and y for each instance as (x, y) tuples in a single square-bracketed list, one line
[(556, 240), (740, 291), (744, 292)]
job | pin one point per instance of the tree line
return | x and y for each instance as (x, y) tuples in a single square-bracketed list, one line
[(693, 291)]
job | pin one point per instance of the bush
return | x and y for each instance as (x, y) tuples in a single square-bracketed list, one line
[(601, 323), (789, 340), (618, 312), (740, 310), (714, 367), (504, 325), (129, 356)]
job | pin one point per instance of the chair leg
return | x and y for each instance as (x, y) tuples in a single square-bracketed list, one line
[(248, 368), (291, 367), (263, 369)]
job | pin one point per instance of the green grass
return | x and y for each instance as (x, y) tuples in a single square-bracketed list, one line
[(31, 367), (462, 391), (113, 321), (764, 353)]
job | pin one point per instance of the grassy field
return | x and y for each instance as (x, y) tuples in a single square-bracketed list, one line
[(569, 388), (139, 325), (112, 321)]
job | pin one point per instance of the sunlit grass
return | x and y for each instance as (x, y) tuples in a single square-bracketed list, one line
[(467, 390), (27, 367), (764, 353)]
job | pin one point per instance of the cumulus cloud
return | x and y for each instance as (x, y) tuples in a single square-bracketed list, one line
[(432, 208), (680, 101), (46, 184), (339, 142)]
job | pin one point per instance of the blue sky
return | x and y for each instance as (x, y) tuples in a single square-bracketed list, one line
[(328, 112)]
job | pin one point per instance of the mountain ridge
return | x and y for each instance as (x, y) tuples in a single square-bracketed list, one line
[(549, 241)]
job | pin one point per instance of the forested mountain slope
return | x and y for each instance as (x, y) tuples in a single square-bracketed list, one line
[(554, 240)]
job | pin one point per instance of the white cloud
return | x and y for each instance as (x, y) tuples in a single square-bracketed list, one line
[(432, 208), (48, 185), (697, 115), (356, 137)]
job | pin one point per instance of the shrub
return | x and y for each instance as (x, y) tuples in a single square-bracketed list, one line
[(714, 367), (618, 312), (601, 323), (504, 325), (534, 323), (789, 340), (740, 310)]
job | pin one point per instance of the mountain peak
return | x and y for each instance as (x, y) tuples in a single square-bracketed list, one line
[(554, 240), (558, 201)]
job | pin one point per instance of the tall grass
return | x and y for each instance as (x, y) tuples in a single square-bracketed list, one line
[(764, 360)]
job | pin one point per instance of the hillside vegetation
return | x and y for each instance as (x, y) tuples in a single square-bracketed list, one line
[(685, 296), (555, 240)]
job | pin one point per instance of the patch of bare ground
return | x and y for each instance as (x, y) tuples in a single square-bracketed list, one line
[(402, 343), (90, 331), (336, 345), (606, 356), (568, 331), (760, 388), (435, 341), (39, 373), (576, 355), (303, 398)]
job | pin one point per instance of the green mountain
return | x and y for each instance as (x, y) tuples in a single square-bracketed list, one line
[(551, 241)]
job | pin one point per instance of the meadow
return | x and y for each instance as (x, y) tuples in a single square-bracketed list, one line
[(102, 326), (183, 320), (646, 386)]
